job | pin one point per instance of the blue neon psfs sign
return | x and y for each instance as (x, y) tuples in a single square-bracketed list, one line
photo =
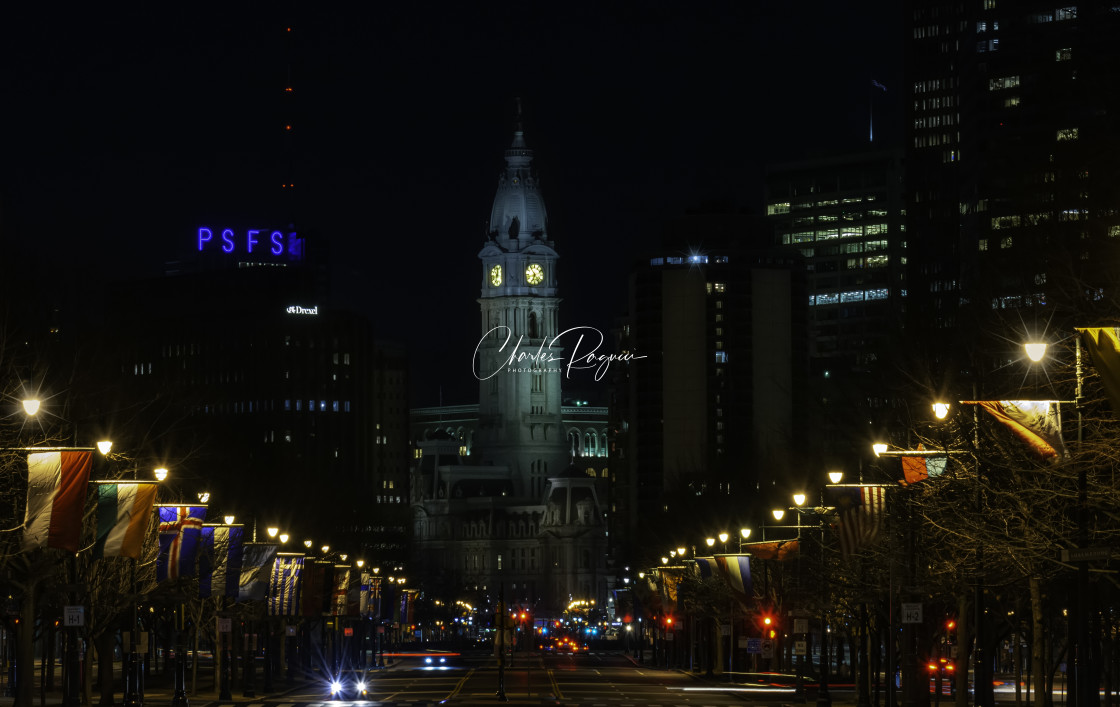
[(254, 242)]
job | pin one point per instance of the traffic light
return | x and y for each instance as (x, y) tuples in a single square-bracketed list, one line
[(769, 626)]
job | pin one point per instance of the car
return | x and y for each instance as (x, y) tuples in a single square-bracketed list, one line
[(349, 685)]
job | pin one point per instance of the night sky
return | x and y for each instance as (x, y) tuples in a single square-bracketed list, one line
[(125, 133)]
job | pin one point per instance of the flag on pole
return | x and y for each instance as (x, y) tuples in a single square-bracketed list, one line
[(219, 561), (1103, 344), (180, 534), (284, 586), (316, 580), (1036, 422), (860, 513), (257, 560), (774, 550), (56, 496), (124, 511), (341, 589), (916, 469), (736, 570), (876, 84), (706, 566)]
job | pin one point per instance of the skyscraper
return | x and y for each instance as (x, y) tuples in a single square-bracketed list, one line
[(1012, 162)]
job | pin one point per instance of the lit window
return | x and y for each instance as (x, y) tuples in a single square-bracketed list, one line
[(721, 357), (1005, 242), (1063, 54), (1067, 134), (1003, 82), (983, 244)]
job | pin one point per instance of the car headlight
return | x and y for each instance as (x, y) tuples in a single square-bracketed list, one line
[(428, 661), (336, 686), (361, 687)]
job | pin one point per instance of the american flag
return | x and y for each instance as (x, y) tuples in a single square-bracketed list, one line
[(860, 516), (180, 533)]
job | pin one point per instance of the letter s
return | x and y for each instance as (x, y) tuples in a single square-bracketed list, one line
[(227, 241), (277, 239)]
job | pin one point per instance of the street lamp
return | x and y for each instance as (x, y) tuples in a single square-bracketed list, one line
[(940, 410), (160, 473), (799, 499), (835, 476), (31, 406), (273, 531), (744, 534), (229, 519), (1085, 692), (778, 513)]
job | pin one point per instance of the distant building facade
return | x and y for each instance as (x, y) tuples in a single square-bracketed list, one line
[(498, 500), (280, 404), (703, 428)]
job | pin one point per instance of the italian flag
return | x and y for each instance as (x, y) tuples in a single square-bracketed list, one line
[(56, 497), (124, 511)]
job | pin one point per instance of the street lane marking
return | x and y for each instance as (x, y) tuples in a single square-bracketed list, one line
[(461, 683), (555, 686)]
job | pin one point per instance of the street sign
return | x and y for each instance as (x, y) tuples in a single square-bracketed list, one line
[(725, 629), (911, 612), (800, 647), (801, 625), (1085, 554), (767, 648), (225, 625), (74, 616), (754, 645)]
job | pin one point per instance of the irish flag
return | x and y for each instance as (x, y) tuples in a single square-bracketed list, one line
[(123, 513), (56, 496)]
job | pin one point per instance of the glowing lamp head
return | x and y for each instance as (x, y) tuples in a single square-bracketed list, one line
[(723, 537), (799, 499), (878, 448), (680, 551), (778, 513), (273, 531), (745, 533), (283, 537), (940, 410), (31, 406), (105, 446), (229, 520), (161, 474), (835, 476), (1035, 351), (710, 541)]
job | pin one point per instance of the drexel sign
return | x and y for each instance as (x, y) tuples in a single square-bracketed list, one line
[(250, 242)]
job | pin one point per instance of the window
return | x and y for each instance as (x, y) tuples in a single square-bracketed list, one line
[(1067, 134), (779, 208), (721, 357), (1064, 54), (1002, 83)]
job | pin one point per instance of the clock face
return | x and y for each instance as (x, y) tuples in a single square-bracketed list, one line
[(496, 276), (534, 274)]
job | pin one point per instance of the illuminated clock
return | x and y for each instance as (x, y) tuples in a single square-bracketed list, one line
[(534, 274), (496, 276)]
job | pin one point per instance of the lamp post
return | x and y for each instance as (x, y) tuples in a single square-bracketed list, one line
[(1085, 694)]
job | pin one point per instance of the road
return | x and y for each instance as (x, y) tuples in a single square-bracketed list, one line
[(607, 679)]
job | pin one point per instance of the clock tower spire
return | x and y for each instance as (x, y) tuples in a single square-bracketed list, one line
[(519, 373)]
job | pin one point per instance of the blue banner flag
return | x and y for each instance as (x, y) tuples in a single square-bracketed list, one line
[(706, 565), (219, 562), (285, 585), (180, 534), (256, 567)]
